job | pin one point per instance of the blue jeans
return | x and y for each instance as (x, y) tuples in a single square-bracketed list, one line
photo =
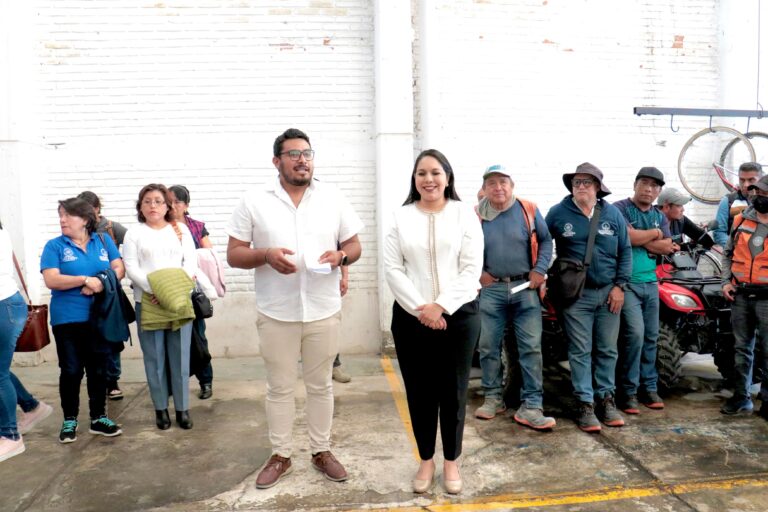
[(640, 334), (23, 397), (523, 312), (13, 315), (591, 328), (114, 368), (748, 314), (166, 361)]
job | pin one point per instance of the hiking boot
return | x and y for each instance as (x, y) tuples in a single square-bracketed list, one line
[(104, 426), (586, 419), (114, 392), (534, 418), (651, 400), (737, 404), (274, 469), (33, 417), (609, 414), (68, 432), (492, 406), (630, 405), (10, 448), (327, 464), (339, 375)]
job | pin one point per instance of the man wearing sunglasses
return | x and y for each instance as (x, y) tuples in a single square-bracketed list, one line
[(296, 233)]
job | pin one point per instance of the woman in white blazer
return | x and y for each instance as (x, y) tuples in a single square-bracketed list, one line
[(433, 259)]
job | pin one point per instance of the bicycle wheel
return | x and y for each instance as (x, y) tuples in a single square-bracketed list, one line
[(695, 163), (734, 154), (709, 264)]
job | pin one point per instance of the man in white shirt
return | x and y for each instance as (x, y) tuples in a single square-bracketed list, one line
[(289, 232)]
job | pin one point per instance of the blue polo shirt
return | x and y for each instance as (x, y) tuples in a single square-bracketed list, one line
[(69, 306)]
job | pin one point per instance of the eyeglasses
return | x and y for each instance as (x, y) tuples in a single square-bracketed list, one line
[(153, 202), (582, 183), (294, 154)]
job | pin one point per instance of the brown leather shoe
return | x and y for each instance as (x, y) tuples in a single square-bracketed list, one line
[(327, 464), (275, 469)]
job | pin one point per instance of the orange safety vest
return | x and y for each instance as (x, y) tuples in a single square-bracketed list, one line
[(530, 221), (744, 268)]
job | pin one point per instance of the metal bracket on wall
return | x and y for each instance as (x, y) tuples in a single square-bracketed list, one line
[(705, 112)]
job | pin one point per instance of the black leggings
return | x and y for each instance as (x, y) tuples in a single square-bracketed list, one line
[(435, 367)]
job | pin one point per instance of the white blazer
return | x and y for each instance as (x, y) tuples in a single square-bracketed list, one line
[(434, 257)]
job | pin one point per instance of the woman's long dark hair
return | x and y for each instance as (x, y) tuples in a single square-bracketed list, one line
[(450, 191)]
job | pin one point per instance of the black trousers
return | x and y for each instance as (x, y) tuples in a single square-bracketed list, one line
[(435, 367), (81, 349)]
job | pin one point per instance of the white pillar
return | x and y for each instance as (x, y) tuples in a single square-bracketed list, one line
[(429, 60), (394, 125)]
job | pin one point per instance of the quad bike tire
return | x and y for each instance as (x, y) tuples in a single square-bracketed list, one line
[(668, 358)]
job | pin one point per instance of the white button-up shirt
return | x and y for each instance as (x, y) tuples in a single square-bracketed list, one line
[(323, 219), (434, 257)]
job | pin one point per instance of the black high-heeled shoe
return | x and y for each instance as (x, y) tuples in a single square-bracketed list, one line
[(183, 419), (162, 419)]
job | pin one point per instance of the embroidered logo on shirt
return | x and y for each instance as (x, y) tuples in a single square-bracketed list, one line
[(68, 255), (103, 255), (568, 230), (605, 229), (757, 241)]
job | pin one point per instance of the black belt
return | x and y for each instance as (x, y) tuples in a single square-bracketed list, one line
[(512, 279)]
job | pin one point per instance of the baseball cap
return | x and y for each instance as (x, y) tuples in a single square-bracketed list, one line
[(496, 169), (671, 195), (651, 172)]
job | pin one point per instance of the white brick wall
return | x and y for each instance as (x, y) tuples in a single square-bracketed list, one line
[(195, 92)]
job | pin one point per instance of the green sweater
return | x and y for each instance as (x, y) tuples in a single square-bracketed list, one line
[(172, 288)]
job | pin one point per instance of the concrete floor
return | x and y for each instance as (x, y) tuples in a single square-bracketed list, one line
[(687, 458)]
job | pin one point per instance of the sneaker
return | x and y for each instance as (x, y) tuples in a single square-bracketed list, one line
[(737, 405), (609, 414), (10, 448), (33, 417), (275, 469), (340, 376), (651, 400), (630, 405), (68, 432), (114, 392), (534, 418), (586, 419), (492, 406), (327, 464), (104, 426)]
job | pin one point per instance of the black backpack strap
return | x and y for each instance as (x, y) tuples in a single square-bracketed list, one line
[(592, 233)]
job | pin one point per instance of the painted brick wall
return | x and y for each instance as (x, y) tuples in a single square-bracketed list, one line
[(547, 84), (195, 93)]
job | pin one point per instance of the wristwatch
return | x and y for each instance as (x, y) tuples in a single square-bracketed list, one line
[(622, 286), (344, 259)]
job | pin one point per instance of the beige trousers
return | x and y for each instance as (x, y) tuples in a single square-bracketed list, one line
[(282, 345)]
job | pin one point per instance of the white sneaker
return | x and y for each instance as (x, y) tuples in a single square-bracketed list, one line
[(10, 448), (33, 417)]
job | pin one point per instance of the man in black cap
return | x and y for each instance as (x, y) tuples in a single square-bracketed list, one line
[(592, 321), (649, 235)]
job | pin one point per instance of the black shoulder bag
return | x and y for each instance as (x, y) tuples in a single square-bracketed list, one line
[(566, 277)]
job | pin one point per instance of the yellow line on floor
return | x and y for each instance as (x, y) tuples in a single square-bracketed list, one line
[(517, 501), (400, 402)]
